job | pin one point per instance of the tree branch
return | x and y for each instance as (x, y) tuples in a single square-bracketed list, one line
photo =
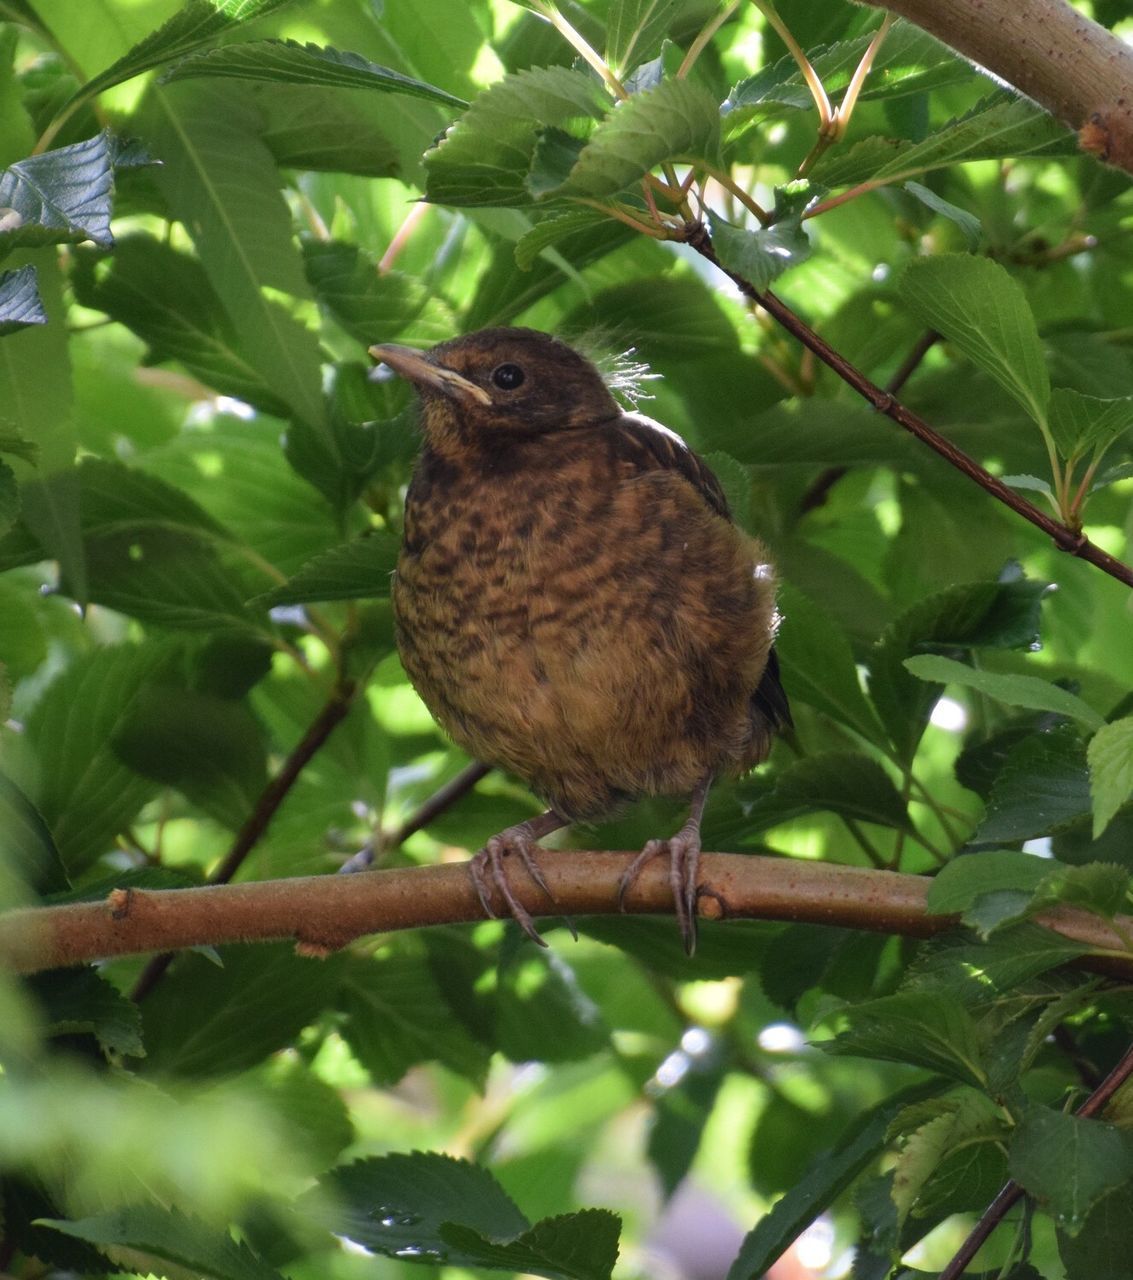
[(323, 913), (1012, 1192), (1067, 63), (1069, 540)]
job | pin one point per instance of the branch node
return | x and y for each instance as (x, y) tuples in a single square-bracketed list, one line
[(119, 901)]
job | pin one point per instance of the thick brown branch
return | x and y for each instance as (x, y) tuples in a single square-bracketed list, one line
[(1076, 543), (1076, 69), (326, 912)]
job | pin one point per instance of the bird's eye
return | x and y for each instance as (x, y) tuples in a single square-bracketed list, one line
[(508, 376)]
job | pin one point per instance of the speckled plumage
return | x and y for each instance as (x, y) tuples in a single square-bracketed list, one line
[(573, 600)]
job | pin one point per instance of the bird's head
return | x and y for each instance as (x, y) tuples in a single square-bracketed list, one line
[(498, 385)]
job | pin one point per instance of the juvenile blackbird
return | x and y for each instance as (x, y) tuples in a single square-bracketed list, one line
[(573, 600)]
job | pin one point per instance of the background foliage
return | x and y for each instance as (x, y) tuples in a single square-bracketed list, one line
[(208, 211)]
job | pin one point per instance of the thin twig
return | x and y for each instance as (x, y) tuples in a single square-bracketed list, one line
[(816, 495), (441, 800), (1012, 1191), (1072, 541), (333, 712)]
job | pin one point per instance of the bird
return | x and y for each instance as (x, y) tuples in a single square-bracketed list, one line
[(574, 602)]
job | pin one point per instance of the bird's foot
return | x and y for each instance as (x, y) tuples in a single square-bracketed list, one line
[(488, 872), (683, 851)]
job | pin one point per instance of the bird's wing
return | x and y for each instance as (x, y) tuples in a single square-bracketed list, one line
[(652, 446)]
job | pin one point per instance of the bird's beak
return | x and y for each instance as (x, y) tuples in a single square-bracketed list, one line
[(422, 372)]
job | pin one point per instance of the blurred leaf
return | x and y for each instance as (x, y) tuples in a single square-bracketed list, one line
[(927, 1029), (29, 851), (396, 1017), (1100, 1250), (680, 1115), (206, 1020), (968, 223), (171, 1237), (164, 296), (974, 303), (20, 304), (289, 62), (373, 306), (211, 749), (1110, 757), (852, 785), (1043, 786), (1069, 1163), (635, 29), (84, 792), (74, 1001), (830, 1174), (549, 231), (1015, 690), (357, 570)]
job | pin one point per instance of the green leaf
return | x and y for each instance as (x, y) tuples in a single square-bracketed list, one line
[(1100, 887), (164, 296), (965, 1121), (818, 664), (977, 306), (396, 1017), (573, 1246), (852, 785), (1015, 690), (220, 180), (211, 749), (289, 62), (996, 615), (968, 223), (210, 1020), (549, 231), (1100, 1250), (678, 119), (1043, 787), (15, 444), (960, 884), (59, 197), (355, 571), (85, 793), (1080, 423), (80, 1001), (20, 303), (926, 1029), (9, 499), (484, 158), (395, 1205), (635, 29), (977, 973), (1068, 1163), (172, 1237), (1110, 757), (192, 26), (995, 128), (828, 1177), (29, 851), (372, 306), (759, 257)]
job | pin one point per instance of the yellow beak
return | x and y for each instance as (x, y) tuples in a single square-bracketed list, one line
[(417, 368)]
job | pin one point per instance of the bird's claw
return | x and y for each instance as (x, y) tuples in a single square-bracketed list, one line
[(683, 851), (488, 872)]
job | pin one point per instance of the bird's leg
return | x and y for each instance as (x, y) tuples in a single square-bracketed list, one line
[(684, 860), (488, 871)]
